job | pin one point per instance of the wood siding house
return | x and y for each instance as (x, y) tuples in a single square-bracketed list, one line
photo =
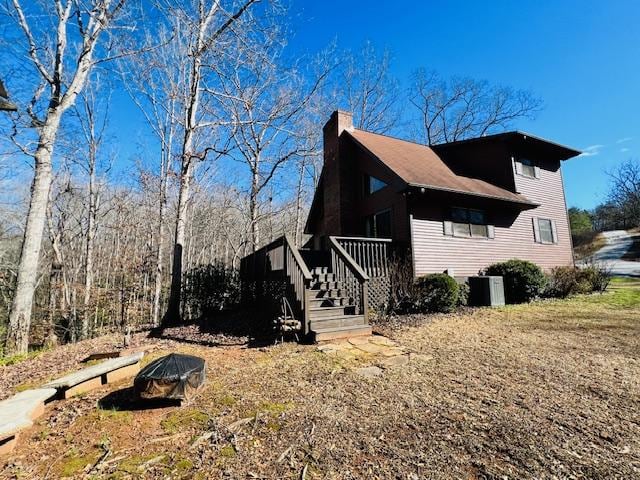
[(456, 207)]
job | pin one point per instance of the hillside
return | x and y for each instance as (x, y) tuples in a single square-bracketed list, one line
[(532, 390)]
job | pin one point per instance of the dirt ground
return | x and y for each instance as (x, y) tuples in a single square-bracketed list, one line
[(547, 390)]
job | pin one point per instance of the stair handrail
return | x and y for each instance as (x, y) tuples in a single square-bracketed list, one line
[(298, 258), (348, 259), (358, 272)]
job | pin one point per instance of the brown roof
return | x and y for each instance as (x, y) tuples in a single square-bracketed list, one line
[(419, 166), (519, 139)]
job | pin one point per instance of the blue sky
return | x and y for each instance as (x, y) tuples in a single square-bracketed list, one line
[(581, 57)]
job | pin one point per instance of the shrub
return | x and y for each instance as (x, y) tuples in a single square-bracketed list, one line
[(565, 281), (523, 280), (597, 276), (211, 288), (403, 292), (463, 294), (437, 292), (561, 282)]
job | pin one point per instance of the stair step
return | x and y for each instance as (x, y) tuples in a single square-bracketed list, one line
[(328, 302), (332, 293), (337, 321), (326, 285), (324, 334), (324, 277), (325, 312)]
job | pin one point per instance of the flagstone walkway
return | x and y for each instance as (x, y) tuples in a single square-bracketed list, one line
[(380, 352)]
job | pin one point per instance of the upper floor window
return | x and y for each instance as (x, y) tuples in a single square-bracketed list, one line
[(527, 168), (372, 184), (466, 222)]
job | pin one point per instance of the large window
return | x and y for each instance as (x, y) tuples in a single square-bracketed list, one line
[(372, 184), (379, 225), (469, 223)]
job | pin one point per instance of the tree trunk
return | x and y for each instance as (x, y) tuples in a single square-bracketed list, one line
[(172, 315), (20, 317), (299, 192), (253, 209), (155, 317), (89, 247)]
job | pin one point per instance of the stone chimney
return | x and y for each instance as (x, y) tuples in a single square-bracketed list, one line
[(338, 123)]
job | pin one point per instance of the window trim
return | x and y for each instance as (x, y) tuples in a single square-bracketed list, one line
[(450, 230), (537, 235), (519, 165)]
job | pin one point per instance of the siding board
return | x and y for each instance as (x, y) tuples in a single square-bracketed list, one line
[(435, 252)]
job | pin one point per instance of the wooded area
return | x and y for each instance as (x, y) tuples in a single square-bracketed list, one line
[(231, 155), (621, 209)]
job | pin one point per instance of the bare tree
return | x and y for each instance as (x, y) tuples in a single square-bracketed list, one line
[(155, 81), (624, 192), (267, 102), (206, 25), (369, 90), (93, 125), (63, 63), (463, 107)]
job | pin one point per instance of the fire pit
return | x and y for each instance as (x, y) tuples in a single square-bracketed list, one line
[(175, 377)]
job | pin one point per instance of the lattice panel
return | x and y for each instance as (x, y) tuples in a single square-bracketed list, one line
[(379, 291)]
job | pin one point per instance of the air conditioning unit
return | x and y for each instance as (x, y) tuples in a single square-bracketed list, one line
[(486, 291)]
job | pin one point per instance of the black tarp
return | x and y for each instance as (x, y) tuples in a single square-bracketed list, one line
[(175, 376)]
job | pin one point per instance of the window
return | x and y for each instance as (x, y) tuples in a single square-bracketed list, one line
[(544, 230), (379, 225), (526, 168), (372, 184), (468, 223)]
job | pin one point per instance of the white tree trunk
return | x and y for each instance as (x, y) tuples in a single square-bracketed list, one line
[(157, 294), (253, 208), (89, 247), (172, 316), (20, 317)]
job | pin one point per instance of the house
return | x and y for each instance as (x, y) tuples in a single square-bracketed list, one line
[(456, 208)]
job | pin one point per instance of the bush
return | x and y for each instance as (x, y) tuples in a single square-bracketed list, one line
[(596, 276), (211, 288), (561, 282), (437, 292), (565, 281), (523, 280)]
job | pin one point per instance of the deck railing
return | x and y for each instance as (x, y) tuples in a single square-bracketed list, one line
[(371, 254), (279, 261), (299, 278), (354, 278)]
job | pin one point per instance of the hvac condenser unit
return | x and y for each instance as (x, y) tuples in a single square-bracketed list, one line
[(486, 291)]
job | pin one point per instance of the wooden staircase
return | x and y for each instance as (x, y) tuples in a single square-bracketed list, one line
[(326, 289), (331, 313)]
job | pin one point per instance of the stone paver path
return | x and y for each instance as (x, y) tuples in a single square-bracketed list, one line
[(378, 351)]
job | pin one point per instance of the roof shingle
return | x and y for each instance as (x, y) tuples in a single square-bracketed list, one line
[(419, 166)]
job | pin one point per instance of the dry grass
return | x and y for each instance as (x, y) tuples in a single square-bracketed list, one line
[(587, 249), (548, 390)]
